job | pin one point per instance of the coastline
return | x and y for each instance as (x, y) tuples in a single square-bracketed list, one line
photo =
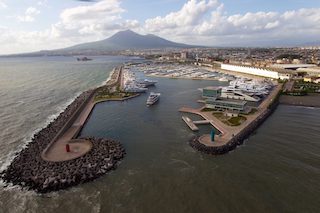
[(30, 168), (312, 100)]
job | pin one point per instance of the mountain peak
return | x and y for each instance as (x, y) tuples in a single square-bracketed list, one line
[(124, 40)]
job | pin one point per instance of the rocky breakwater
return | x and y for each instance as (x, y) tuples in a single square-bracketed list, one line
[(237, 139), (30, 171)]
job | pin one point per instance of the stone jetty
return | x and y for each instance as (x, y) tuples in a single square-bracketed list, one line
[(30, 170)]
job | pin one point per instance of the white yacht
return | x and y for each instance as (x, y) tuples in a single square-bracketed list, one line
[(153, 98), (146, 83)]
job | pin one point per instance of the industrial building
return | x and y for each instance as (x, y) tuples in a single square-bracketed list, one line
[(264, 72)]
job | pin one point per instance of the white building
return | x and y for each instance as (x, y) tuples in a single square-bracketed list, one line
[(264, 72)]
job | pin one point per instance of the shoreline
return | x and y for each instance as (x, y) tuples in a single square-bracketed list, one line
[(312, 100), (30, 170)]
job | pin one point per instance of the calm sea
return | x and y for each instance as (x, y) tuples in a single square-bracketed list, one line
[(276, 170)]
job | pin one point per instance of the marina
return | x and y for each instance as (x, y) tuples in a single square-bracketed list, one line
[(159, 152), (178, 71)]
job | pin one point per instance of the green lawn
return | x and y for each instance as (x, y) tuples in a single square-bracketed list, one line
[(234, 121), (207, 110), (104, 94)]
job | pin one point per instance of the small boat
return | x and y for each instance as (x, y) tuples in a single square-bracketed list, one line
[(153, 98), (84, 59)]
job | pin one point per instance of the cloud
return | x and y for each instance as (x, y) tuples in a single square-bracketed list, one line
[(76, 25), (204, 22), (99, 19), (191, 14), (207, 23), (3, 5), (42, 2), (29, 15)]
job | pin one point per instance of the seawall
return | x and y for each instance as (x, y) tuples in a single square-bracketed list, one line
[(29, 169), (240, 137)]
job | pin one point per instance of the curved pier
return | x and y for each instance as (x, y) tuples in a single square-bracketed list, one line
[(55, 159)]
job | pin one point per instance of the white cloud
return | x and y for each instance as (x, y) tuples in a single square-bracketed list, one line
[(29, 15), (41, 3), (76, 25), (207, 23), (2, 4), (99, 19), (191, 14)]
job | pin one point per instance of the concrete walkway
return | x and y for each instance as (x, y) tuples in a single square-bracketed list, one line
[(56, 150)]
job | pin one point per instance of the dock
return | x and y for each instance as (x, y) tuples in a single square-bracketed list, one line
[(190, 123)]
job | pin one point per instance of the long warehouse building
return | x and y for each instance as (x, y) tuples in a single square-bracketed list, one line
[(264, 72)]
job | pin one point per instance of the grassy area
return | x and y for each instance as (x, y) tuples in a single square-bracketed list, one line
[(233, 121), (207, 110), (306, 87), (104, 94), (236, 121)]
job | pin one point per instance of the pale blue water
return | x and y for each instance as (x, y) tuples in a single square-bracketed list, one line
[(277, 170)]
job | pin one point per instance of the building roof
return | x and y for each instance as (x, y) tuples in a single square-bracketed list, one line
[(293, 66), (274, 69), (212, 88)]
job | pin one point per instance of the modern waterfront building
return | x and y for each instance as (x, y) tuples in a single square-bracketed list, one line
[(214, 100), (211, 92), (233, 105), (237, 95), (264, 72), (225, 93)]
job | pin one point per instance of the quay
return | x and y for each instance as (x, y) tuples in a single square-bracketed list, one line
[(190, 123), (231, 136)]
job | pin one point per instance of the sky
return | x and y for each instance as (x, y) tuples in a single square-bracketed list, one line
[(32, 25)]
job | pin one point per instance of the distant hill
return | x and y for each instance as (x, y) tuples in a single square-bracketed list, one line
[(122, 40)]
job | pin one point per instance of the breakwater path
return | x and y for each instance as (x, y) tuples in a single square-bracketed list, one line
[(46, 164), (56, 150)]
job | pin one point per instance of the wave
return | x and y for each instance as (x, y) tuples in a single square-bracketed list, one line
[(11, 155)]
